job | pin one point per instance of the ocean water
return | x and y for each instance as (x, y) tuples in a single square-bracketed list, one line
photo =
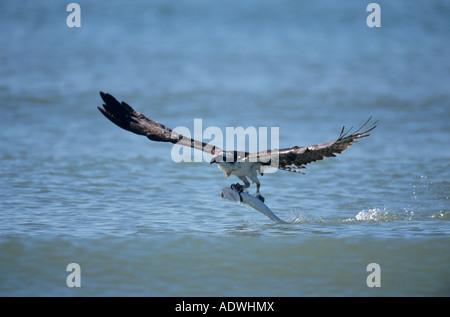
[(77, 189)]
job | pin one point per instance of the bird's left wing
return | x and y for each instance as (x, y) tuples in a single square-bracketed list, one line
[(295, 158)]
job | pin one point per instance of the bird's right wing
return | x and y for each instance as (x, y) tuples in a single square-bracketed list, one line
[(129, 119)]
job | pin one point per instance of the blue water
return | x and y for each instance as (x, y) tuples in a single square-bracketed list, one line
[(77, 189)]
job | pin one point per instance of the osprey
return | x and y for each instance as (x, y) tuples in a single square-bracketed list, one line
[(242, 164)]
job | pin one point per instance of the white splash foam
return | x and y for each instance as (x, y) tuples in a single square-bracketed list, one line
[(374, 214)]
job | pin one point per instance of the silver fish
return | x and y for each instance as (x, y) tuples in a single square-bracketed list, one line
[(233, 194)]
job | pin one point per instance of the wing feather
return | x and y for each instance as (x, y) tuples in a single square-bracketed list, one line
[(129, 119), (296, 158)]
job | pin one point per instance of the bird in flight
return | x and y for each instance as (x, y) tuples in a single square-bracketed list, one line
[(244, 165)]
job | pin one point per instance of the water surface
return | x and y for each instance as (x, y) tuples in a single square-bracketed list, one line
[(75, 188)]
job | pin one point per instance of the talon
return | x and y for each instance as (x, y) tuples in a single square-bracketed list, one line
[(260, 197), (237, 187)]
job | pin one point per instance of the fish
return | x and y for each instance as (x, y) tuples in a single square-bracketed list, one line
[(242, 197)]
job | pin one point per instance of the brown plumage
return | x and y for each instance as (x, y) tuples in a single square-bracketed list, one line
[(295, 158), (242, 164), (129, 119)]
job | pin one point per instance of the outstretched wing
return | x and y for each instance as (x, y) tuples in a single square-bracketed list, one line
[(295, 158), (129, 119)]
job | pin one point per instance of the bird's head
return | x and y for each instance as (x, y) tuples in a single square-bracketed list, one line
[(222, 157)]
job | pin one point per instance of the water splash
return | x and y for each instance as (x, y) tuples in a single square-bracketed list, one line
[(381, 215), (374, 214), (296, 218), (441, 215)]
